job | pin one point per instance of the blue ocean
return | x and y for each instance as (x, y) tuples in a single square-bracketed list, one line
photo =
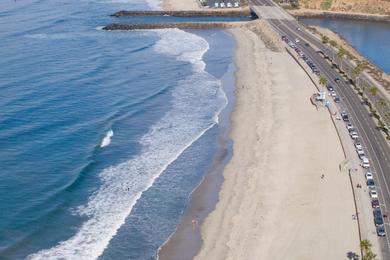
[(103, 135)]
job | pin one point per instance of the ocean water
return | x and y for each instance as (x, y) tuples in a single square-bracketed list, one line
[(103, 135), (370, 38)]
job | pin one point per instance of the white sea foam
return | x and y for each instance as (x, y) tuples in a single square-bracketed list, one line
[(107, 139), (196, 102)]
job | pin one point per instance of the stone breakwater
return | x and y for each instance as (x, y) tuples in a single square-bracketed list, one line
[(189, 26), (192, 13), (339, 15)]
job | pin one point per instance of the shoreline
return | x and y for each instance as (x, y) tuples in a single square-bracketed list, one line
[(185, 242)]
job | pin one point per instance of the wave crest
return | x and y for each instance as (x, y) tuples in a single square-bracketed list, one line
[(107, 139)]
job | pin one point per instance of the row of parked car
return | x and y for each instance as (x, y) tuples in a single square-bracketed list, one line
[(301, 54), (333, 94), (365, 163), (226, 5)]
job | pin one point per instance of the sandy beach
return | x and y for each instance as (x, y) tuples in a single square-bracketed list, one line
[(180, 5), (273, 203)]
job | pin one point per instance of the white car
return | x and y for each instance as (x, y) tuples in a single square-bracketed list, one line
[(216, 5), (297, 40), (229, 5), (333, 93), (369, 176), (373, 194), (365, 162), (222, 5), (236, 4), (354, 135), (358, 146), (349, 127)]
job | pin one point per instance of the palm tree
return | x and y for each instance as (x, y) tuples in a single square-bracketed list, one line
[(323, 81), (373, 90), (358, 70), (365, 245), (333, 43), (340, 55), (325, 39)]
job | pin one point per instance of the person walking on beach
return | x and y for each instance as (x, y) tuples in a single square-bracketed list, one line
[(195, 223)]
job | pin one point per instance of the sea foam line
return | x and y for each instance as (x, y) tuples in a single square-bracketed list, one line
[(196, 102)]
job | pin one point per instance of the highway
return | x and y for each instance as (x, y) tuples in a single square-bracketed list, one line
[(375, 145)]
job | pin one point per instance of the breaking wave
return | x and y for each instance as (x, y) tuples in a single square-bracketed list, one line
[(107, 139), (196, 102)]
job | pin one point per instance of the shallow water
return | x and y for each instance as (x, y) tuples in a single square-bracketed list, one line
[(103, 135), (370, 38)]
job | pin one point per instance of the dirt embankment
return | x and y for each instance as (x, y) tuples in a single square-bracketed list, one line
[(378, 7)]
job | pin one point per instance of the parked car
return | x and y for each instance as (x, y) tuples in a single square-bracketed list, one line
[(377, 212), (380, 231), (369, 176), (337, 80), (333, 93), (337, 99), (297, 40), (378, 220), (371, 184), (344, 116), (373, 194), (360, 153), (358, 146), (354, 135), (375, 204), (307, 45), (365, 163), (350, 127)]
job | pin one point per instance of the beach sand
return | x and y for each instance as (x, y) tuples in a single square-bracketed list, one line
[(273, 203), (181, 5)]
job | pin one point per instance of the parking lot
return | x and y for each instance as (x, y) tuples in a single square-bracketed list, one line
[(223, 3)]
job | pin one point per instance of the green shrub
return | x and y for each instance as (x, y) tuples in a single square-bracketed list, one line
[(326, 5)]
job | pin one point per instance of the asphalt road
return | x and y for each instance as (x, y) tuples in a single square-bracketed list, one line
[(374, 143)]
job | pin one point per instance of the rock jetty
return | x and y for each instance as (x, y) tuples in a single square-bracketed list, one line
[(191, 13), (189, 26)]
